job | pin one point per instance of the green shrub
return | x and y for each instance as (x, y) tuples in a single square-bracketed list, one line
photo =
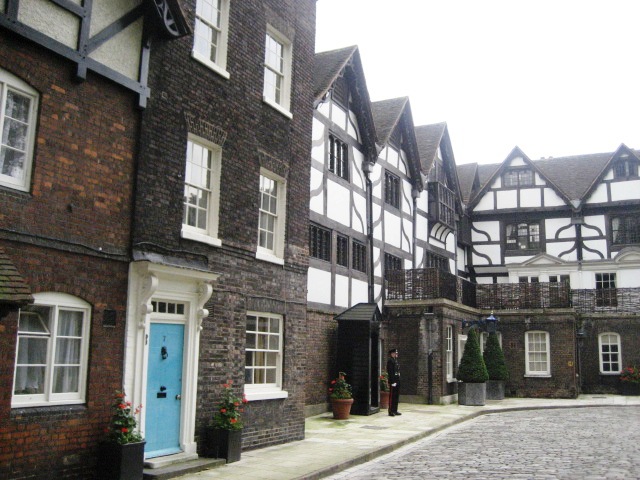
[(472, 368), (494, 359)]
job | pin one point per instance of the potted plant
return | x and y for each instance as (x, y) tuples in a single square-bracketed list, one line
[(223, 438), (384, 390), (630, 380), (341, 397), (121, 455), (472, 373), (496, 368)]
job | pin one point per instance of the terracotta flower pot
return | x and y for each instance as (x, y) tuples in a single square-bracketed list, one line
[(384, 399), (341, 408)]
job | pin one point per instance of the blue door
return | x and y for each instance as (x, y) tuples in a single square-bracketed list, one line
[(164, 390)]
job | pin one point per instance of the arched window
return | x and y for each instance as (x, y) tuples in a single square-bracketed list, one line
[(610, 353), (52, 351)]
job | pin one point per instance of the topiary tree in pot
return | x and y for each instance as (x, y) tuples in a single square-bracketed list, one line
[(496, 367), (472, 373)]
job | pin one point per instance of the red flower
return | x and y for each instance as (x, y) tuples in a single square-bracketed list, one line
[(333, 382), (233, 420), (122, 406), (124, 429), (223, 410)]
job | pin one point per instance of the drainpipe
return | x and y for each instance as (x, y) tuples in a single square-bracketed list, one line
[(367, 168), (415, 193)]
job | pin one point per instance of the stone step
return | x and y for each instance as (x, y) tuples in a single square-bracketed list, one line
[(182, 468)]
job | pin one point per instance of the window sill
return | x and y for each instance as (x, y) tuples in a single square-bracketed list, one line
[(200, 237), (269, 257), (279, 108), (546, 375), (212, 66), (610, 374), (274, 394)]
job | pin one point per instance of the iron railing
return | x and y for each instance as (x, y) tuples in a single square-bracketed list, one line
[(431, 284)]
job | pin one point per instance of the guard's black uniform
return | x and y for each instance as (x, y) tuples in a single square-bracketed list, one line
[(393, 369)]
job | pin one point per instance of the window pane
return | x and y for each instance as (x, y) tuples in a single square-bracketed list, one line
[(66, 379), (251, 340), (271, 376), (274, 342), (68, 350), (29, 380), (70, 324)]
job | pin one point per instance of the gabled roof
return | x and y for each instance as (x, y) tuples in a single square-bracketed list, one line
[(467, 175), (388, 115), (345, 62), (428, 138), (14, 290), (574, 177), (496, 171), (329, 66)]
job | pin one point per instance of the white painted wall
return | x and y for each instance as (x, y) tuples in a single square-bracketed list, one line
[(359, 216), (486, 202), (597, 221), (342, 291), (530, 197), (392, 231), (599, 195), (492, 228), (553, 225), (316, 202), (628, 190), (507, 198), (318, 286), (338, 206), (493, 251)]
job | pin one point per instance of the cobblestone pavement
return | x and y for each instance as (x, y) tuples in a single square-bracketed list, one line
[(574, 443)]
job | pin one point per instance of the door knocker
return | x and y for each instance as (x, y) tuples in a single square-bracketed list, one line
[(163, 352)]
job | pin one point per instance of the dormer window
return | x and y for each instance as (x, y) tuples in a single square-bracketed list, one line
[(517, 177), (625, 168)]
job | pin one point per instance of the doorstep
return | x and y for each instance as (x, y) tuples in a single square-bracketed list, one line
[(172, 466)]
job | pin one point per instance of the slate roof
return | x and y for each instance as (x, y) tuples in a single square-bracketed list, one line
[(14, 290), (386, 115), (428, 138), (328, 66), (466, 175)]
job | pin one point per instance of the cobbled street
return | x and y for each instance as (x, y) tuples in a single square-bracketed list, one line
[(574, 443)]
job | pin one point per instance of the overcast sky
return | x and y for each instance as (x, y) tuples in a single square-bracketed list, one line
[(555, 77)]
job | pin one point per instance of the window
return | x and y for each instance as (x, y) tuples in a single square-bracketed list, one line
[(359, 257), (391, 189), (277, 71), (263, 356), (449, 353), (433, 260), (625, 229), (18, 106), (609, 347), (338, 157), (320, 243), (625, 168), (52, 351), (201, 192), (210, 34), (523, 236), (342, 251), (271, 217), (391, 262), (606, 293), (537, 354), (521, 177)]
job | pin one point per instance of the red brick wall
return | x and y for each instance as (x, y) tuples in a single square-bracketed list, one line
[(69, 234)]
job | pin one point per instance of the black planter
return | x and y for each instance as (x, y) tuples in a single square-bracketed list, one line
[(120, 462), (627, 388), (495, 390), (220, 443)]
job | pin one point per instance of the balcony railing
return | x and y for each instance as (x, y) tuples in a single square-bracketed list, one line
[(431, 284)]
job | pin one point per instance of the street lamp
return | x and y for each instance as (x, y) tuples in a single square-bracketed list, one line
[(491, 323)]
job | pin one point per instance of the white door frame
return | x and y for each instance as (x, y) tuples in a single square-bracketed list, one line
[(147, 282)]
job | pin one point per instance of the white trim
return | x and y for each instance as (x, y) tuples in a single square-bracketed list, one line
[(220, 65), (600, 359), (541, 373), (147, 282), (277, 254), (266, 391), (284, 106), (57, 301), (16, 84)]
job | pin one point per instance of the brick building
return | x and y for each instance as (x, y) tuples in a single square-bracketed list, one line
[(220, 233), (70, 119)]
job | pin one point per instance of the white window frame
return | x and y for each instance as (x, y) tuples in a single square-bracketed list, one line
[(202, 24), (209, 234), (449, 353), (266, 391), (13, 83), (275, 254), (604, 341), (529, 354), (284, 104), (57, 302)]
